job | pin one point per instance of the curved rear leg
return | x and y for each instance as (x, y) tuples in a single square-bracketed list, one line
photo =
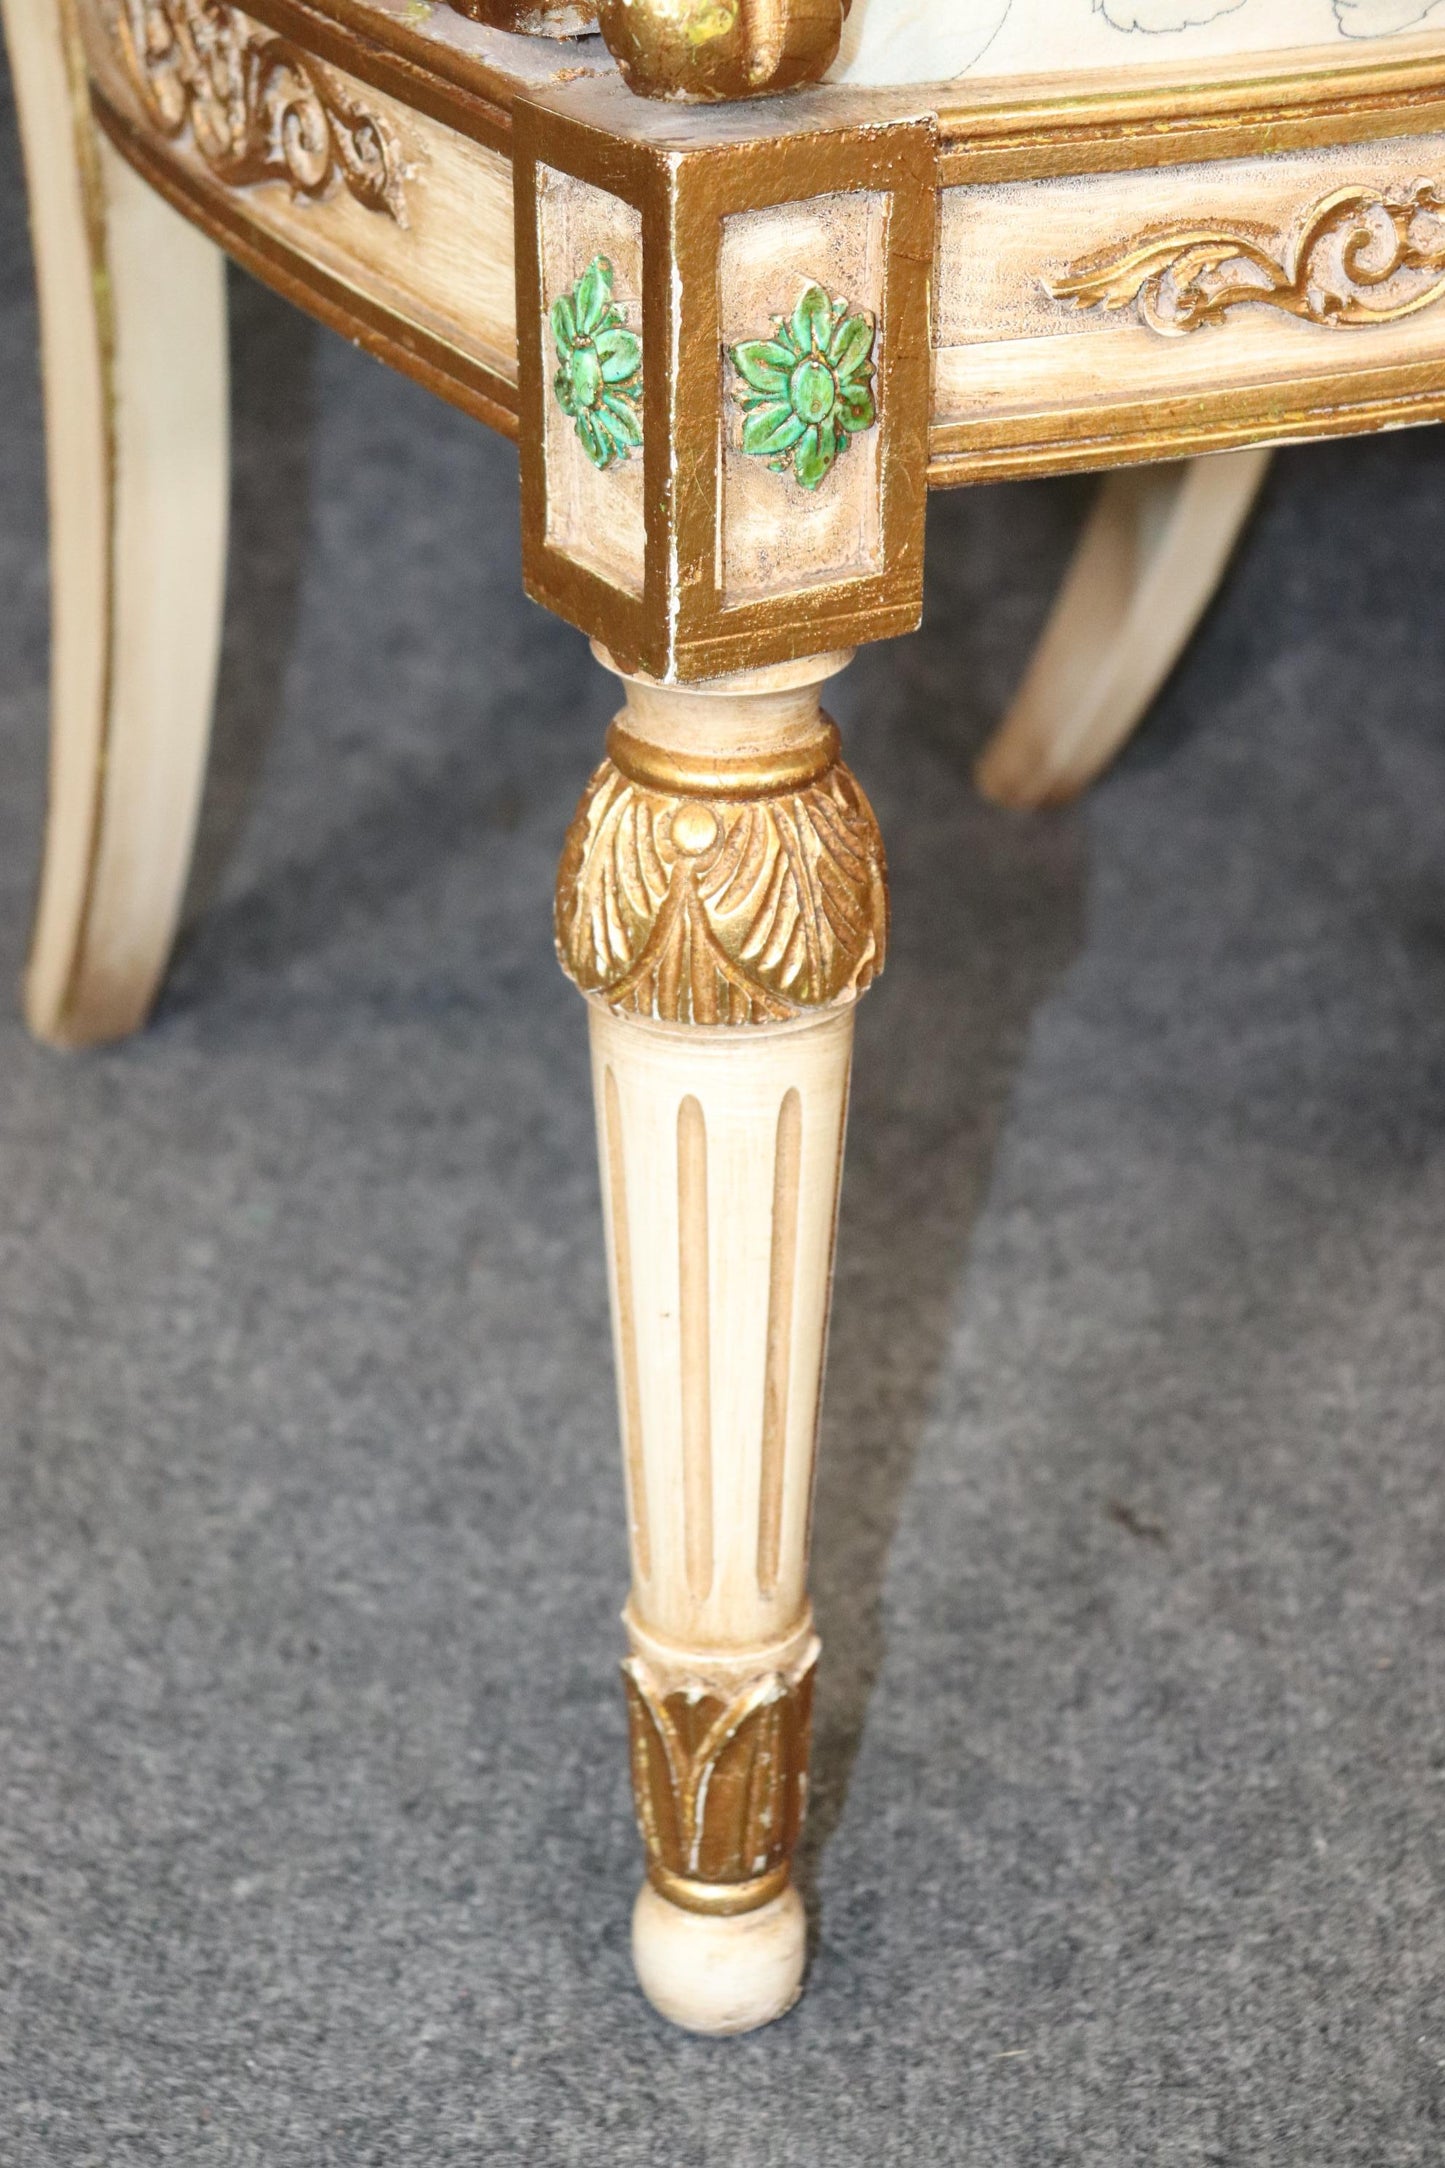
[(1150, 559), (133, 335)]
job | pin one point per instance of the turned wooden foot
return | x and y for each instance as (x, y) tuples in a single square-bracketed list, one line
[(132, 305), (722, 902)]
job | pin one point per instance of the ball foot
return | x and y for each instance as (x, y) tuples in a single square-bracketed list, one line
[(720, 1975)]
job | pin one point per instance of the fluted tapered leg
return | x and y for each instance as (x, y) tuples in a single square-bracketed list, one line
[(722, 902)]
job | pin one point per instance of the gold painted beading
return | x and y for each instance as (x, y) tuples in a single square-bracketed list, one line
[(763, 775)]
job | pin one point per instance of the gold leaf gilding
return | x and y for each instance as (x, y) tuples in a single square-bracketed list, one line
[(720, 1783), (697, 909)]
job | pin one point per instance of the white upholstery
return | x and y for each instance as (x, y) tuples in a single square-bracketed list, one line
[(919, 41)]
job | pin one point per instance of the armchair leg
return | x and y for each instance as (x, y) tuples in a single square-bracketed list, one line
[(722, 901), (1146, 568), (132, 305)]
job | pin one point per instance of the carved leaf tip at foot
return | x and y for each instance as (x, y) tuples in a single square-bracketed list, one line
[(720, 1782)]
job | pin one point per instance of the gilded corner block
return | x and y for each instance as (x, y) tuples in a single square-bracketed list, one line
[(809, 389), (599, 383), (696, 562)]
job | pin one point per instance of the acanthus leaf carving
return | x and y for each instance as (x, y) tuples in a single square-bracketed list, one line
[(1361, 256), (258, 108), (711, 910)]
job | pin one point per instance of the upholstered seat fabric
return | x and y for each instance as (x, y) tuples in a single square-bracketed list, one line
[(917, 41)]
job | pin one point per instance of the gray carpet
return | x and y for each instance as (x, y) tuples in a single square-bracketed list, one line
[(315, 1842)]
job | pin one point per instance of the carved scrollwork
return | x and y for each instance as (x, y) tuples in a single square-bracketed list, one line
[(258, 108), (1361, 256), (699, 908), (720, 1783)]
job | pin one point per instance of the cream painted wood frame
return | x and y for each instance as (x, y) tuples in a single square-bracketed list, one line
[(738, 346)]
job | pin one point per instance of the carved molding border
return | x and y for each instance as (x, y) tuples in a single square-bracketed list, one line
[(257, 107), (1360, 256)]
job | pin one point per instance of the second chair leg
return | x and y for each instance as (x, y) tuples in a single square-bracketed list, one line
[(133, 326), (1146, 568), (723, 902)]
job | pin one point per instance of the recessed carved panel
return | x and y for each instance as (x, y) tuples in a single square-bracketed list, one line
[(808, 387), (598, 384), (592, 429), (1066, 307), (793, 278), (1362, 256)]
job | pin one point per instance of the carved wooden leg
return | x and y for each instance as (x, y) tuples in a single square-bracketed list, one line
[(723, 902), (1146, 568), (132, 304)]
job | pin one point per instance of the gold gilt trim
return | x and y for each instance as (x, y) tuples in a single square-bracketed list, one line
[(257, 107), (696, 907), (1243, 106), (758, 776), (1358, 258), (720, 1783)]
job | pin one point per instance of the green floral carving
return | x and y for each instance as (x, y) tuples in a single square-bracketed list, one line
[(600, 381), (810, 387)]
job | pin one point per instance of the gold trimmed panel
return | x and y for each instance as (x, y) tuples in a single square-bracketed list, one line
[(256, 107), (1046, 359), (1365, 256), (685, 177), (594, 517)]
